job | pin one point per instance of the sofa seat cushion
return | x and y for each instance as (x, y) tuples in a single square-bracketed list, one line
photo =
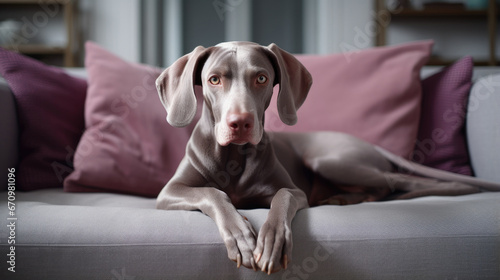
[(103, 236)]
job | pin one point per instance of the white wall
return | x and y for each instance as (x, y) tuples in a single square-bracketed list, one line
[(113, 24), (335, 26), (329, 26)]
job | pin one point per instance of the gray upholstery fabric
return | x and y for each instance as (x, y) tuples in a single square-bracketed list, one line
[(9, 131), (483, 127), (109, 236)]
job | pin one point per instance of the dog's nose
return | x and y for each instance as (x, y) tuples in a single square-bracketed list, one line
[(241, 122)]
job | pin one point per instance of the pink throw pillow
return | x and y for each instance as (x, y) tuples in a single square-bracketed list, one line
[(50, 114), (128, 146), (441, 138), (373, 94)]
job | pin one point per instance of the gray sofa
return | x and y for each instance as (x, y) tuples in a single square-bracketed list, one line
[(62, 235)]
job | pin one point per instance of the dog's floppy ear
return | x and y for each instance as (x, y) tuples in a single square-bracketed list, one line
[(175, 86), (294, 82)]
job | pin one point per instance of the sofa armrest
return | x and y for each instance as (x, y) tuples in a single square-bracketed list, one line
[(9, 131), (483, 127)]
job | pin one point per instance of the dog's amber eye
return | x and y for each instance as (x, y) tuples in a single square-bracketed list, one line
[(261, 79), (214, 80)]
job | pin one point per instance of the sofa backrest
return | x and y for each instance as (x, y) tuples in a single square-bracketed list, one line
[(482, 122), (483, 127)]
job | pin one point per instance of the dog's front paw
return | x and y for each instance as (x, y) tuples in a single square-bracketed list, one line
[(239, 237), (274, 246)]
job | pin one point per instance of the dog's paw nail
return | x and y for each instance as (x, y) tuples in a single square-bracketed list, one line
[(264, 267), (285, 261), (270, 268), (254, 266), (238, 261), (257, 258)]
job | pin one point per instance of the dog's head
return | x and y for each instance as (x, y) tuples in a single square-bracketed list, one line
[(237, 80)]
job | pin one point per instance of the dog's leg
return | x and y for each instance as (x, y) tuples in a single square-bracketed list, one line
[(413, 186), (421, 170), (274, 243), (348, 161), (237, 233), (380, 183)]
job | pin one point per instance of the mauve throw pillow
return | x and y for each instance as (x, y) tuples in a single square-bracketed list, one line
[(128, 146), (441, 138), (50, 114), (373, 94)]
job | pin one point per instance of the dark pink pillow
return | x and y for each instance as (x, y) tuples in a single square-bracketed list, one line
[(128, 146), (441, 138), (373, 94), (50, 114)]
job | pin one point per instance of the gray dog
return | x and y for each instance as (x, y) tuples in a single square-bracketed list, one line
[(231, 162)]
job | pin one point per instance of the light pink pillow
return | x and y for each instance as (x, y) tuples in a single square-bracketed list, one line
[(373, 94), (128, 146)]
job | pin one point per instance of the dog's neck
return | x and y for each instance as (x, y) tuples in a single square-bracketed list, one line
[(241, 162)]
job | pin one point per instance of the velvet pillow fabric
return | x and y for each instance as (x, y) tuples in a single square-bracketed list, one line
[(441, 138), (128, 146), (50, 105), (373, 94)]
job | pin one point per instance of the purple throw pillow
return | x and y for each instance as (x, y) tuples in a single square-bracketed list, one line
[(441, 138), (50, 113)]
